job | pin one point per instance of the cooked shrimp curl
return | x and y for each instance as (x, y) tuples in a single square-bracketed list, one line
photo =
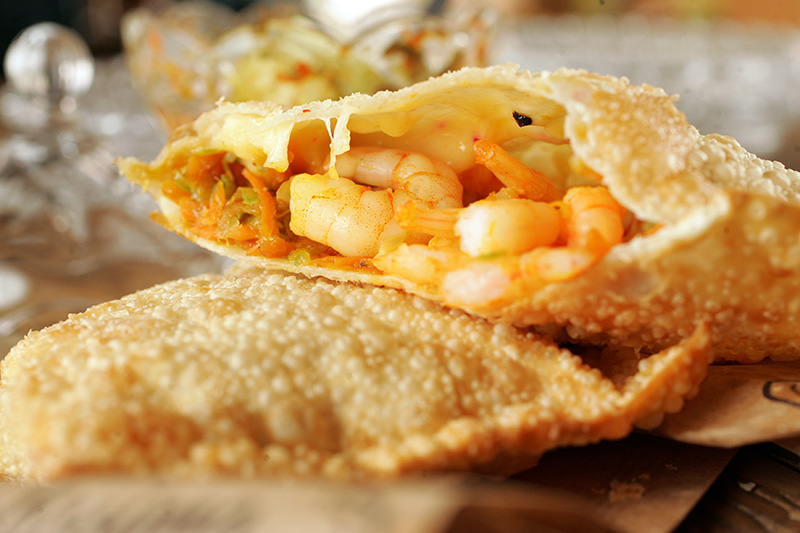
[(489, 227), (595, 220), (514, 175), (428, 180), (594, 224), (348, 217), (346, 214)]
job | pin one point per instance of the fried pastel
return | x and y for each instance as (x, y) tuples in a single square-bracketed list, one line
[(259, 373), (705, 232)]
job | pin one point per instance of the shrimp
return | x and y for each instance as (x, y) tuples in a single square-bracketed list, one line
[(419, 263), (593, 225), (595, 221), (522, 242), (524, 181), (488, 227), (478, 284), (426, 179), (348, 217), (501, 224), (354, 219), (556, 264)]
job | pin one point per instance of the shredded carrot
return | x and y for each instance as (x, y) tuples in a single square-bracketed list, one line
[(216, 205), (242, 232), (205, 232), (189, 209), (201, 171), (207, 193), (271, 243), (253, 249), (236, 170), (174, 192), (301, 70), (266, 201)]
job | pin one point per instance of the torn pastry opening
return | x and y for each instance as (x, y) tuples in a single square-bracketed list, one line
[(473, 197)]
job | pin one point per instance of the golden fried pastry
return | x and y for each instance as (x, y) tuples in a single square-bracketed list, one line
[(258, 373), (573, 202)]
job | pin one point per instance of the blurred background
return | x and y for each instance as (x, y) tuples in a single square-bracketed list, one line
[(98, 20), (734, 63), (74, 233)]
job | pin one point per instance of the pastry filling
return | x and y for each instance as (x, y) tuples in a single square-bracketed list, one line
[(520, 207)]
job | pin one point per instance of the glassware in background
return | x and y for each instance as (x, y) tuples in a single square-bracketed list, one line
[(193, 53), (72, 232)]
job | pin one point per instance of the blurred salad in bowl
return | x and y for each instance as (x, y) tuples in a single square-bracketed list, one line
[(193, 53)]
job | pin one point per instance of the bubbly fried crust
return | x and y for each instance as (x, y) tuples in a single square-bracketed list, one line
[(726, 253), (259, 373)]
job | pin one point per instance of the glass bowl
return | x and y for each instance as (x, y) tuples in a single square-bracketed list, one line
[(187, 57)]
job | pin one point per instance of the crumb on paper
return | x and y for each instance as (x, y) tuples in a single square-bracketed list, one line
[(747, 486), (621, 491), (627, 490)]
